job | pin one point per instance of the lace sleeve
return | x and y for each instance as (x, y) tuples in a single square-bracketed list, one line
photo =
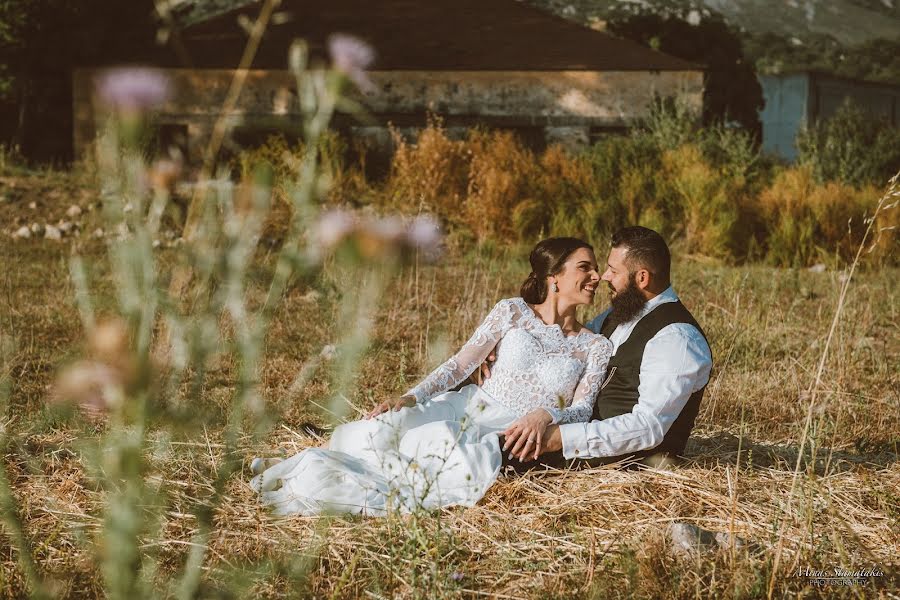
[(471, 355), (588, 386)]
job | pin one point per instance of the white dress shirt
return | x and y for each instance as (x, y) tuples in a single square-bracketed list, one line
[(676, 363)]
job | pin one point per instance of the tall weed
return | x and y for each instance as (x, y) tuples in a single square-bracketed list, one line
[(430, 175)]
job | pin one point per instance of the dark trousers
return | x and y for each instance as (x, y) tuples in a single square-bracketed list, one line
[(556, 460)]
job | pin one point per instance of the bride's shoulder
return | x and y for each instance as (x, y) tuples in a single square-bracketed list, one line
[(511, 303), (596, 341)]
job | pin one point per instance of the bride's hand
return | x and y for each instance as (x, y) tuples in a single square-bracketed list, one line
[(401, 402), (526, 434)]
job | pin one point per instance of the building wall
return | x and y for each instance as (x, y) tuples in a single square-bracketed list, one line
[(565, 105), (827, 94), (784, 113), (794, 100)]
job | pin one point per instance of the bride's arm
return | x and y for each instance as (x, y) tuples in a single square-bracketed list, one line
[(588, 386), (459, 366), (524, 438)]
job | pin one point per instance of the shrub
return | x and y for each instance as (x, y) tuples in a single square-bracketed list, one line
[(501, 176), (852, 147), (430, 175), (809, 222), (702, 202)]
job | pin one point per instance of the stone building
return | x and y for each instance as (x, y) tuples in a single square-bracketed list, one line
[(499, 63), (794, 100)]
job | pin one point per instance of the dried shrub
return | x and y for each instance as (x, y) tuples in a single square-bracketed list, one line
[(430, 175), (702, 198), (809, 222), (501, 176)]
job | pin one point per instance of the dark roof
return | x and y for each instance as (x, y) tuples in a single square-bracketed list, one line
[(490, 35)]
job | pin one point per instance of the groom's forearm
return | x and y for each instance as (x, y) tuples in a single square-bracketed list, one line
[(610, 437)]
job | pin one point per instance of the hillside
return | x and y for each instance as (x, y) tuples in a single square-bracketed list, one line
[(850, 22)]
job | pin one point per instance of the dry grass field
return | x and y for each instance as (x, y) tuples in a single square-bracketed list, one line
[(599, 533)]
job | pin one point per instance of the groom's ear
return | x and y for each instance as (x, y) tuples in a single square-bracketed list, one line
[(642, 278)]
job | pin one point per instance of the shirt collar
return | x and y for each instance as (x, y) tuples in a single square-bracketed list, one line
[(668, 295)]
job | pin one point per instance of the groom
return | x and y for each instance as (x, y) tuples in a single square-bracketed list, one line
[(651, 394)]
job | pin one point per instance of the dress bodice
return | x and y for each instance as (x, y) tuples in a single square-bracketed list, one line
[(537, 365)]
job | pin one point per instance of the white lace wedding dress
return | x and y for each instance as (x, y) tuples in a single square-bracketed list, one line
[(445, 450)]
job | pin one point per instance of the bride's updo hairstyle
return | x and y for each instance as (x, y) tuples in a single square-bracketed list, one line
[(547, 259)]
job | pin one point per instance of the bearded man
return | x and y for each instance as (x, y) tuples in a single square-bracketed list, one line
[(648, 402)]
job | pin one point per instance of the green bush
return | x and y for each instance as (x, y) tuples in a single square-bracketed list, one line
[(852, 147)]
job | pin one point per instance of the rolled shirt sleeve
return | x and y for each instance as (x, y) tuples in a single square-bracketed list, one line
[(676, 363)]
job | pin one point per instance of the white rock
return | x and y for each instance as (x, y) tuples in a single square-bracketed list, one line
[(32, 205), (22, 232), (156, 243), (689, 539), (98, 233), (817, 268), (37, 228), (74, 211), (52, 233), (65, 227), (128, 208)]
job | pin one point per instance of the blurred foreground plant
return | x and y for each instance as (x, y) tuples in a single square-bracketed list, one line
[(147, 357)]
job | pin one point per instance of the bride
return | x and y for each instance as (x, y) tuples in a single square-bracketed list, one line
[(433, 447)]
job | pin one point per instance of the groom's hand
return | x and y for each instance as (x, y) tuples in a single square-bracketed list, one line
[(552, 440), (484, 371)]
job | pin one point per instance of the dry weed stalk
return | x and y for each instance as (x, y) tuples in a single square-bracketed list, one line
[(886, 202)]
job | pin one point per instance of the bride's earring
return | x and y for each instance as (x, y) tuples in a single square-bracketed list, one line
[(554, 287)]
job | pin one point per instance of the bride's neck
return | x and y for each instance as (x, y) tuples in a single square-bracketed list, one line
[(553, 311)]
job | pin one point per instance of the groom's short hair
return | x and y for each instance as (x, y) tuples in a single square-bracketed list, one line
[(644, 249)]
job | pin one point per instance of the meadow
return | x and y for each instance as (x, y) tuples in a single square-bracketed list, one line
[(800, 463)]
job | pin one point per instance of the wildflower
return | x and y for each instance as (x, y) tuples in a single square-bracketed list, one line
[(424, 234), (98, 383), (389, 228), (164, 175), (92, 386), (377, 237), (333, 227), (352, 56), (108, 340), (132, 90), (456, 576)]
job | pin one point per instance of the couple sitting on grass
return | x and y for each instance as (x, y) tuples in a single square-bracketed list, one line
[(558, 394)]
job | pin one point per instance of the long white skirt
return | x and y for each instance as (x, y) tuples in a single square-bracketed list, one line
[(442, 452)]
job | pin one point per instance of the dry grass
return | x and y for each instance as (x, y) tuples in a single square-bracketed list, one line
[(598, 533)]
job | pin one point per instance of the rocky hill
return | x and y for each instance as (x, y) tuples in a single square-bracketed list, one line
[(850, 22)]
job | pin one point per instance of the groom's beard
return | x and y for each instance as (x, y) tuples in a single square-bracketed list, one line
[(627, 304)]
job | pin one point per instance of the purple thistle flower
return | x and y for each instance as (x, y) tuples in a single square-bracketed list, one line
[(352, 56), (333, 227), (133, 89), (424, 233)]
